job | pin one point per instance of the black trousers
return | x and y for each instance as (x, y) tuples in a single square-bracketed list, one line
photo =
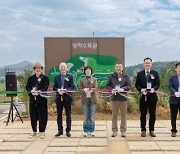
[(38, 111), (67, 106), (144, 107), (174, 111)]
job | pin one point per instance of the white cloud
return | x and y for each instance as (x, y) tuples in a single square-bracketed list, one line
[(150, 27), (175, 2)]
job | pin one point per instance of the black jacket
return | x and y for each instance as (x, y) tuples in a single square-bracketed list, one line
[(173, 87), (42, 83), (68, 85), (125, 83), (141, 82)]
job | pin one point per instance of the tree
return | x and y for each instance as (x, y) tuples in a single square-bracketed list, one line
[(22, 79), (165, 74)]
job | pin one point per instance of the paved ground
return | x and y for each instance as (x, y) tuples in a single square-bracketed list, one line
[(16, 140)]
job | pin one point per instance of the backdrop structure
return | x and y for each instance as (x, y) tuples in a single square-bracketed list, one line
[(78, 52)]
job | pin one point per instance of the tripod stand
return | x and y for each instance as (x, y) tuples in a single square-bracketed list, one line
[(10, 115)]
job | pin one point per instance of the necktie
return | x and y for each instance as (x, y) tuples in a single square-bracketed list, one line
[(148, 76), (62, 80)]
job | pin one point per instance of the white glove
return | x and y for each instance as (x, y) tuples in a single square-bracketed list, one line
[(61, 91), (152, 90), (86, 89), (32, 92), (114, 91), (177, 94), (144, 92), (120, 90), (35, 93)]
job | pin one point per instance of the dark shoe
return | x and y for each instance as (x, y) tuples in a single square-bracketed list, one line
[(143, 134), (114, 134), (59, 134), (173, 134), (152, 134), (68, 134), (123, 134)]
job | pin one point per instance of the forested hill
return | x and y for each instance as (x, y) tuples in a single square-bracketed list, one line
[(132, 70), (18, 68)]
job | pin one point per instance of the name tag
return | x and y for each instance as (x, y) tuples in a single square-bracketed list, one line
[(149, 86)]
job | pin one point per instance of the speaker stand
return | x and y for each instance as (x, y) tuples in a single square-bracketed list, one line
[(10, 115)]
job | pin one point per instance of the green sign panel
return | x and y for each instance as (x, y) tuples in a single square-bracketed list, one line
[(102, 66)]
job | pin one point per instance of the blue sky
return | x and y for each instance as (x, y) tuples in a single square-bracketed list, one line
[(151, 27)]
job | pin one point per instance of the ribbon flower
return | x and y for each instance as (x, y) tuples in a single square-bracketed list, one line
[(91, 80), (119, 79), (39, 79), (152, 76), (66, 78)]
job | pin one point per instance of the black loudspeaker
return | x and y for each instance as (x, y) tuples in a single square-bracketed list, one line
[(11, 83)]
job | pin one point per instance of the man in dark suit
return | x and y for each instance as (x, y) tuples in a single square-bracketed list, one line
[(174, 100), (63, 82), (147, 82)]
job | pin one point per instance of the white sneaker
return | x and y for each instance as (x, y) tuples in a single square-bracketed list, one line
[(1, 140), (32, 135), (92, 134), (85, 134), (42, 135), (88, 134)]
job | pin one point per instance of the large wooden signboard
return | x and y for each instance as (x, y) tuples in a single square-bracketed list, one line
[(99, 53)]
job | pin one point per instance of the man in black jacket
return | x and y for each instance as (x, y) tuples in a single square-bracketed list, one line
[(119, 83), (147, 82), (38, 105), (63, 82), (174, 100)]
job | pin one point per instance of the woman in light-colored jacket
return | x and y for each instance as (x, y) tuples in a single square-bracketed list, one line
[(89, 101)]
